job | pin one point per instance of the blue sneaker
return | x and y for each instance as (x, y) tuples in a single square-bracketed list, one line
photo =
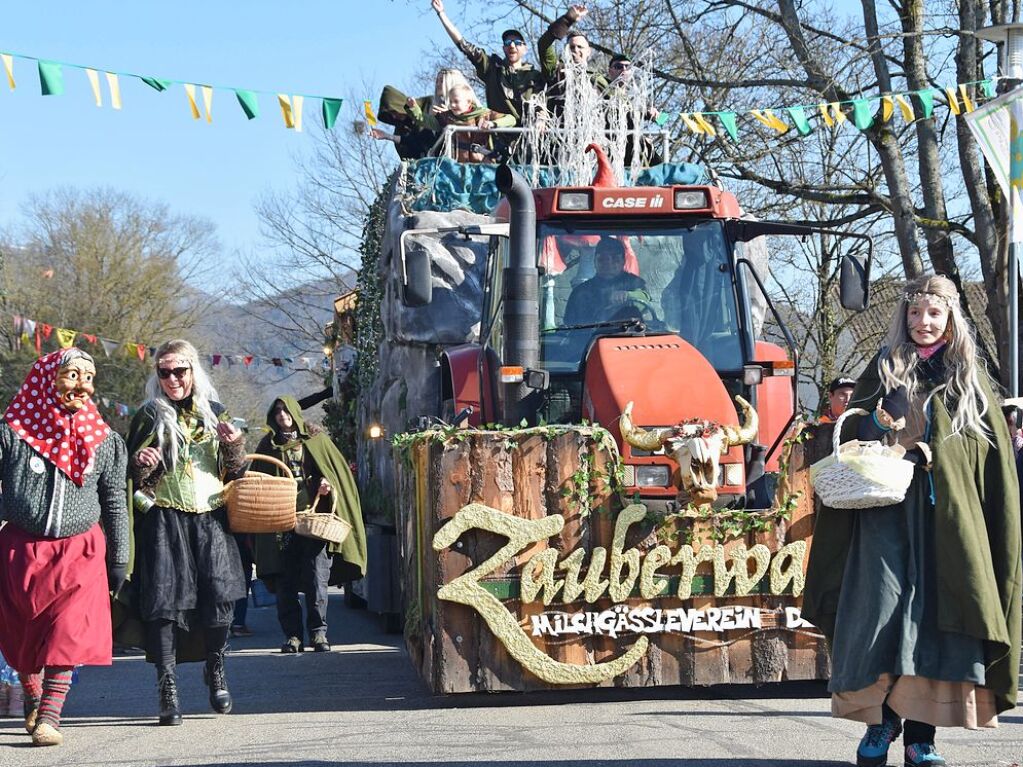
[(923, 755), (873, 750)]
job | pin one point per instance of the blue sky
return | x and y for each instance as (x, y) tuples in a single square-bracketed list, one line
[(152, 147)]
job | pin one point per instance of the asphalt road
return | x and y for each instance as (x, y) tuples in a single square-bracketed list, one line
[(363, 705)]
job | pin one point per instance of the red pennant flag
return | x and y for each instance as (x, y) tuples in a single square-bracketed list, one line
[(47, 330), (247, 359), (140, 351), (88, 337)]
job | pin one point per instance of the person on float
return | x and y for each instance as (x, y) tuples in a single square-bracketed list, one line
[(921, 600), (65, 545), (294, 563), (839, 392), (188, 572)]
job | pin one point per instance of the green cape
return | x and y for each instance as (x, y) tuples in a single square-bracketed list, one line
[(350, 557), (977, 538)]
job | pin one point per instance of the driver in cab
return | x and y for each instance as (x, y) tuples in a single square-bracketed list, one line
[(609, 295)]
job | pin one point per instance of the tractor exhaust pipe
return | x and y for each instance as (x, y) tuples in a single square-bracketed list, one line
[(519, 291)]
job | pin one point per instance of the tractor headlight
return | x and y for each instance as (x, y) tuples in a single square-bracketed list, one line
[(652, 476)]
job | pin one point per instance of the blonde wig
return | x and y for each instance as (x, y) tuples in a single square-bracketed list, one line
[(897, 366), (169, 435)]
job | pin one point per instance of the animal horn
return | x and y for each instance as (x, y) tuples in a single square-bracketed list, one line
[(748, 431), (639, 437)]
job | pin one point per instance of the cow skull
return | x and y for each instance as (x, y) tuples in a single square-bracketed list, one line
[(697, 447)]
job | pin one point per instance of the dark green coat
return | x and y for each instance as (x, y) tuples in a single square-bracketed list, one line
[(321, 459), (977, 538)]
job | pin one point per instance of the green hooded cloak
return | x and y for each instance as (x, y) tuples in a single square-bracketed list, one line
[(977, 538), (321, 459)]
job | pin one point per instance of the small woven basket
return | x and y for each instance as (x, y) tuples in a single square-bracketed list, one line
[(323, 526), (262, 503), (861, 475)]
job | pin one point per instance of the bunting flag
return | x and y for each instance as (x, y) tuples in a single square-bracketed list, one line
[(926, 98), (9, 69), (115, 90), (215, 359), (47, 330), (967, 102), (190, 92), (367, 109), (953, 102), (66, 337), (109, 347), (862, 118), (799, 120), (906, 108), (728, 120), (768, 118), (887, 108), (140, 352), (207, 102), (291, 110), (51, 79), (97, 94), (88, 337), (249, 103), (331, 108)]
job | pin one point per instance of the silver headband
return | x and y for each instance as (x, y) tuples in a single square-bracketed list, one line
[(912, 298)]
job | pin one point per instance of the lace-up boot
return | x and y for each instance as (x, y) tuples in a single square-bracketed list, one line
[(923, 755), (216, 679), (167, 684), (873, 749)]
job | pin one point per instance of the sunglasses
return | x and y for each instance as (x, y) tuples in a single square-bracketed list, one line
[(508, 43), (166, 373)]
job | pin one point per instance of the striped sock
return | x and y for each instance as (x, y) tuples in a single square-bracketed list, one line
[(32, 686), (56, 683)]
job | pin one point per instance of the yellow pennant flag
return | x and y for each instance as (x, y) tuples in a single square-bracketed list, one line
[(704, 123), (826, 115), (296, 110), (953, 102), (66, 337), (836, 109), (905, 108), (367, 109), (94, 82), (768, 118), (115, 90), (207, 102), (190, 90), (690, 123), (887, 108), (8, 60), (286, 113), (965, 96)]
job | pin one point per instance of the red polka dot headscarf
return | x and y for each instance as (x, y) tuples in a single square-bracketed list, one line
[(65, 439)]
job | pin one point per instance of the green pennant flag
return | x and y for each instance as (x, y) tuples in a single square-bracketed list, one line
[(249, 103), (862, 118), (799, 120), (926, 99), (728, 120), (331, 107), (51, 79), (155, 84), (988, 88), (661, 119)]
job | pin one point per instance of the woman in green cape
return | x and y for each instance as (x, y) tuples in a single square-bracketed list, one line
[(921, 600)]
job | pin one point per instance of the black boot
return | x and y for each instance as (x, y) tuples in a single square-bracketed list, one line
[(216, 680), (170, 709)]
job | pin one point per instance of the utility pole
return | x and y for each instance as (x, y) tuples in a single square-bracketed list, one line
[(1010, 37)]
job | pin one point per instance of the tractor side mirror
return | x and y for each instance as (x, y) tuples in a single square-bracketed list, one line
[(417, 282), (854, 284)]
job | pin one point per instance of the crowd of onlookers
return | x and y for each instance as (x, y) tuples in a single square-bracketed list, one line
[(509, 82)]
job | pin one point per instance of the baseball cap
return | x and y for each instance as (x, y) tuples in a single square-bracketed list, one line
[(840, 383), (512, 34), (620, 57)]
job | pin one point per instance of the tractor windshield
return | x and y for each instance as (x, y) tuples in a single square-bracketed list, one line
[(601, 280)]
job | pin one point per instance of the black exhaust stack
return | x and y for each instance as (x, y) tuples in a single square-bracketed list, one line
[(520, 288)]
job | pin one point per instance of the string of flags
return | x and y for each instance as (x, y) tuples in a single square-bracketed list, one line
[(29, 331), (51, 83), (862, 112)]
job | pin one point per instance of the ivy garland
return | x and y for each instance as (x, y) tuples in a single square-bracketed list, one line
[(369, 285), (721, 524)]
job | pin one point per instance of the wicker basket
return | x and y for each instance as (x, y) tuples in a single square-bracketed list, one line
[(262, 503), (323, 526), (861, 475)]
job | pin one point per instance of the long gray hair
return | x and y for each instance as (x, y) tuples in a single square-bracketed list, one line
[(169, 435), (961, 391)]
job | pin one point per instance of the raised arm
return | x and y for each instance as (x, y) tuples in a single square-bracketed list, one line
[(449, 27), (558, 30)]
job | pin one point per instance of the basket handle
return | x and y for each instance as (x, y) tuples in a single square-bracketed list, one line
[(837, 436), (333, 504), (270, 459)]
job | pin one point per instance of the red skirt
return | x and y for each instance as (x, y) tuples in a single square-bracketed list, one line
[(54, 602)]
